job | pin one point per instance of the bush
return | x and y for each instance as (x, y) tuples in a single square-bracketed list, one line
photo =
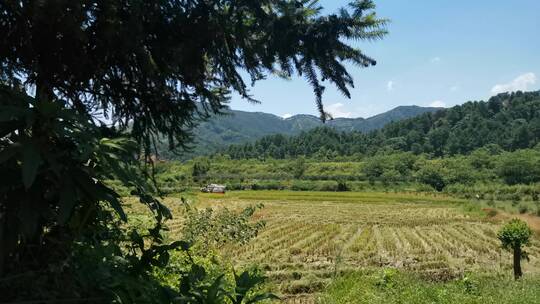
[(523, 209), (432, 174), (299, 167), (327, 186), (342, 186), (492, 212), (514, 236), (234, 186), (520, 167), (390, 177)]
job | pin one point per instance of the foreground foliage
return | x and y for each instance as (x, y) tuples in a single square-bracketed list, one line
[(86, 90)]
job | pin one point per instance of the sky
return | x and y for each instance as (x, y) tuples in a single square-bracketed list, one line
[(437, 53)]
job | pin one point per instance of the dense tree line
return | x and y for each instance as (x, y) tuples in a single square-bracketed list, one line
[(488, 172), (510, 121)]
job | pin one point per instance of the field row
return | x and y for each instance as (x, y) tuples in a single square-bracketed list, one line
[(308, 240)]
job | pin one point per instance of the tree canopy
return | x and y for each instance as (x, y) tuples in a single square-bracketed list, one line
[(87, 87), (514, 236), (146, 64), (510, 121)]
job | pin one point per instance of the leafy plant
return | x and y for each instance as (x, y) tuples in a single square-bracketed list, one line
[(299, 167), (213, 228), (200, 168), (387, 278), (514, 236), (342, 186), (89, 88), (433, 175), (245, 283), (470, 285)]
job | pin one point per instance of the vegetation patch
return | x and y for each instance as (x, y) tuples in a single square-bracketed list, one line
[(390, 286)]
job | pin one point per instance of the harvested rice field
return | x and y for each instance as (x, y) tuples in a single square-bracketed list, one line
[(311, 237)]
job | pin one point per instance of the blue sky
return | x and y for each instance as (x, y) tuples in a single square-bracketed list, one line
[(440, 53)]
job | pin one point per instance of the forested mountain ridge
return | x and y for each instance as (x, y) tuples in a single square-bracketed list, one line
[(237, 127), (509, 120)]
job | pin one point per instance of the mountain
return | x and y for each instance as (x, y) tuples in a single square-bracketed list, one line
[(235, 127), (508, 121)]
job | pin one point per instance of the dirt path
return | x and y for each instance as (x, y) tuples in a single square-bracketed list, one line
[(532, 220)]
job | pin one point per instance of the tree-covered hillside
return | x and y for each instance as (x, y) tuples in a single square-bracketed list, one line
[(510, 121), (238, 127)]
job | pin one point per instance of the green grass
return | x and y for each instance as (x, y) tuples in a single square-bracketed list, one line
[(400, 287)]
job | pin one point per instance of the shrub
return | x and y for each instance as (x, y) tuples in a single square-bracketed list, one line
[(326, 186), (299, 167), (387, 278), (520, 167), (200, 168), (492, 213), (235, 186), (534, 196), (432, 174), (390, 177), (523, 209), (513, 236), (373, 169), (303, 186), (342, 186)]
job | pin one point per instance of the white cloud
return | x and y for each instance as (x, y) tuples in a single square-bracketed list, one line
[(521, 83), (338, 110), (454, 88), (438, 104), (435, 59), (285, 116), (390, 86)]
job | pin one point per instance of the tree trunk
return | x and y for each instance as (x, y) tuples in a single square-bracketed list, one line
[(517, 263), (3, 251)]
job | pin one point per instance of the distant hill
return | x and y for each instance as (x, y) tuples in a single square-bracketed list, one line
[(235, 127), (508, 121)]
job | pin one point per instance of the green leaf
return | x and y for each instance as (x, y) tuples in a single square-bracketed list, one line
[(10, 113), (163, 259), (68, 197), (96, 190), (214, 291), (112, 197), (180, 244), (137, 238), (29, 216), (30, 164), (7, 153), (261, 297)]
